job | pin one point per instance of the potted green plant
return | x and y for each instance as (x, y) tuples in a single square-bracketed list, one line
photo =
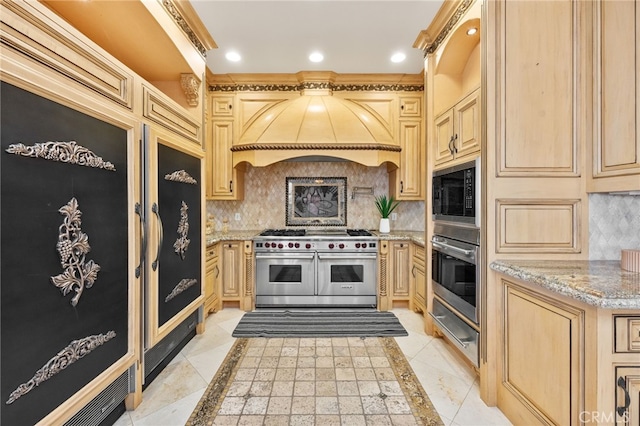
[(385, 207)]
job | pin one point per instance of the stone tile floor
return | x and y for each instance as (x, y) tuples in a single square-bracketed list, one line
[(451, 385)]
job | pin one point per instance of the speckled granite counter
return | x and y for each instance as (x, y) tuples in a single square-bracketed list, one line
[(599, 283), (415, 236), (231, 236)]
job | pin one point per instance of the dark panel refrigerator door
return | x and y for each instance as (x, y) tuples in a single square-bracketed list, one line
[(64, 241), (173, 194)]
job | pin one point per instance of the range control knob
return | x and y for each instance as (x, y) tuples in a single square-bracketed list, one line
[(267, 245), (297, 245), (357, 245), (290, 245), (341, 246), (280, 245), (308, 245), (331, 246)]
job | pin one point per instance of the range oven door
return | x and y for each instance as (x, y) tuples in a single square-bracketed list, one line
[(285, 274), (455, 274), (341, 274)]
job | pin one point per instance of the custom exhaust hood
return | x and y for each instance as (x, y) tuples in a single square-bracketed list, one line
[(319, 126)]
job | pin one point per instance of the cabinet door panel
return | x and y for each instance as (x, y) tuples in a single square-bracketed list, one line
[(443, 135), (467, 135), (619, 140), (64, 237), (411, 170)]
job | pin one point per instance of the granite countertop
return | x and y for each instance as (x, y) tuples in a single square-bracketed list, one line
[(215, 237), (600, 283)]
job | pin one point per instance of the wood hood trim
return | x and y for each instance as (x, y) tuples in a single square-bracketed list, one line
[(317, 123)]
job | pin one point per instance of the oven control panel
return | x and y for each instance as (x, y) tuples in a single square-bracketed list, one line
[(342, 245)]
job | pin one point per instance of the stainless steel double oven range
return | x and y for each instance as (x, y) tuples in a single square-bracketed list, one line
[(456, 256), (306, 268)]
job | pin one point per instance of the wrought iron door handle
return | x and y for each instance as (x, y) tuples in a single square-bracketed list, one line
[(143, 240), (627, 399), (156, 210)]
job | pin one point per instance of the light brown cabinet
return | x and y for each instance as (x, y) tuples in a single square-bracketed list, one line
[(586, 359), (418, 282), (399, 261), (232, 270), (457, 131), (212, 279), (628, 395), (224, 182), (407, 181), (616, 150)]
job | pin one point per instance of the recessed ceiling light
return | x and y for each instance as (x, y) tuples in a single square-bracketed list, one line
[(233, 56), (472, 31), (316, 57), (398, 57)]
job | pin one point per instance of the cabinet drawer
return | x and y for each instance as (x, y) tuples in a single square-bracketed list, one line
[(418, 254), (627, 333), (211, 254)]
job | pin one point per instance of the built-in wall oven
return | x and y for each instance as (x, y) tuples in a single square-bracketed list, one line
[(455, 260)]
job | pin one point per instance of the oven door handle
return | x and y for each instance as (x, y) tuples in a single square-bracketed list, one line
[(444, 246), (346, 256), (281, 256)]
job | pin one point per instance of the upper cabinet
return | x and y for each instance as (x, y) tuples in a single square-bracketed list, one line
[(224, 182), (453, 81), (616, 148), (406, 182), (372, 120), (457, 130)]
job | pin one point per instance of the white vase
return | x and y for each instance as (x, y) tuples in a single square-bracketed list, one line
[(384, 225)]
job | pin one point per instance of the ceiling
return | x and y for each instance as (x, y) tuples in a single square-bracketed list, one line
[(354, 36)]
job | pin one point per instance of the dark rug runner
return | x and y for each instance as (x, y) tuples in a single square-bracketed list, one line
[(328, 323)]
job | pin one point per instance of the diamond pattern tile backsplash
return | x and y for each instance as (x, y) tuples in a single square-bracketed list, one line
[(614, 224), (265, 191)]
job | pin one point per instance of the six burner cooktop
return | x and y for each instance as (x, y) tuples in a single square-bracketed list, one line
[(304, 232)]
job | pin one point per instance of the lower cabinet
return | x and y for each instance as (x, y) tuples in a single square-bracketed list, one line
[(212, 279), (399, 255), (628, 395), (418, 282), (232, 270), (566, 362)]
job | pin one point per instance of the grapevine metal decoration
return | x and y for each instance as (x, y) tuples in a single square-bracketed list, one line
[(73, 352), (184, 284), (182, 243), (73, 245), (181, 176), (64, 152)]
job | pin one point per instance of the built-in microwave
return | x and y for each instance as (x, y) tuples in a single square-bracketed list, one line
[(456, 193)]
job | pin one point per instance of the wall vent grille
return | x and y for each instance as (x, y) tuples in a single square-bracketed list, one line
[(103, 404)]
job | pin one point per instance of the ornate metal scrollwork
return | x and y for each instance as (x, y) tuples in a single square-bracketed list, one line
[(182, 243), (73, 352), (65, 152), (181, 176), (184, 284), (73, 245)]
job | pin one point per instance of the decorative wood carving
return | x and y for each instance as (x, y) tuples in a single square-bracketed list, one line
[(65, 152), (184, 284), (73, 352), (182, 243), (181, 176), (318, 146), (73, 245), (191, 87)]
